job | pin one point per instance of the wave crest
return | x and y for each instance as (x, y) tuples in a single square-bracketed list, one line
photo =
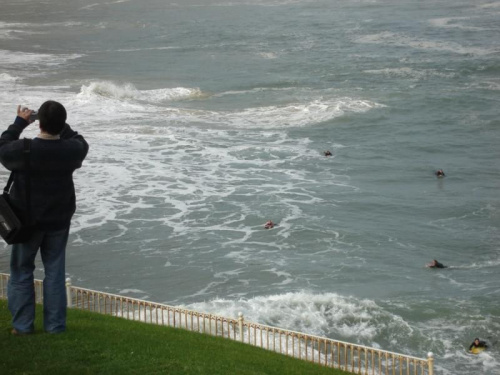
[(327, 314), (128, 91), (299, 114), (4, 77)]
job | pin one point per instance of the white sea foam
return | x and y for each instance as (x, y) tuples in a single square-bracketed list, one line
[(272, 117), (22, 28), (8, 30), (268, 55), (283, 116), (401, 40), (326, 314), (301, 114), (492, 84), (7, 34), (147, 49), (4, 77), (479, 265), (188, 166), (413, 74), (450, 22), (108, 90), (177, 93), (255, 90), (6, 25), (128, 91), (64, 24), (34, 59), (91, 6)]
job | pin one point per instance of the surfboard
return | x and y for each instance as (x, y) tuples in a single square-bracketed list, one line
[(477, 350)]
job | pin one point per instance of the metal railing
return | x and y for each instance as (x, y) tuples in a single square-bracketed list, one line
[(357, 359)]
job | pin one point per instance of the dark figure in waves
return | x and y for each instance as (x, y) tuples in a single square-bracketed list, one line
[(269, 225), (435, 264), (478, 344), (440, 173)]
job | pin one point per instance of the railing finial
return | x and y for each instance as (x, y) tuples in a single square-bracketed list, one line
[(430, 360), (240, 325)]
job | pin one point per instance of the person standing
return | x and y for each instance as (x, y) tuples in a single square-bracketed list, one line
[(55, 153)]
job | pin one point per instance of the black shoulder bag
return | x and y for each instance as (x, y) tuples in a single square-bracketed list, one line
[(12, 229)]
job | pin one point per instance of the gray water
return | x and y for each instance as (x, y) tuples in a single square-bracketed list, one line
[(208, 118)]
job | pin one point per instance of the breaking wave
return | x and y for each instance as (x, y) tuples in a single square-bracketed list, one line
[(129, 91), (327, 314)]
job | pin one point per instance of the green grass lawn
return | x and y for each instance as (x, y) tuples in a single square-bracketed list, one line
[(99, 344)]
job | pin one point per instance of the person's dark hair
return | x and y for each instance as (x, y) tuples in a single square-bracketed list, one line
[(52, 117)]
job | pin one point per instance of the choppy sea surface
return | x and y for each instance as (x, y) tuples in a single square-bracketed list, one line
[(207, 118)]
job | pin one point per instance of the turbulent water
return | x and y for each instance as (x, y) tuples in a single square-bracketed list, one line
[(207, 118)]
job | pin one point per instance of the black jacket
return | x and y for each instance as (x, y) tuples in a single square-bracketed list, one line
[(52, 163), (481, 344)]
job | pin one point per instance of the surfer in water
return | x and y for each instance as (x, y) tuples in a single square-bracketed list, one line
[(440, 173), (435, 264), (269, 225), (478, 344), (327, 153)]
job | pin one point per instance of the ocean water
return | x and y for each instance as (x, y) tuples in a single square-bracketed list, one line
[(206, 118)]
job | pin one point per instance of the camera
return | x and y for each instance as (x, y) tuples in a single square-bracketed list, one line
[(34, 114)]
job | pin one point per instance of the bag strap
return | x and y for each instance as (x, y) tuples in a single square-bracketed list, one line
[(26, 157), (9, 183)]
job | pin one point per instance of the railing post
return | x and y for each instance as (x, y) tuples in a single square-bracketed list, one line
[(430, 361), (1, 286), (240, 325), (68, 292)]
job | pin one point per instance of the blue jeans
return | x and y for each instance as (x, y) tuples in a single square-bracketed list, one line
[(21, 290)]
